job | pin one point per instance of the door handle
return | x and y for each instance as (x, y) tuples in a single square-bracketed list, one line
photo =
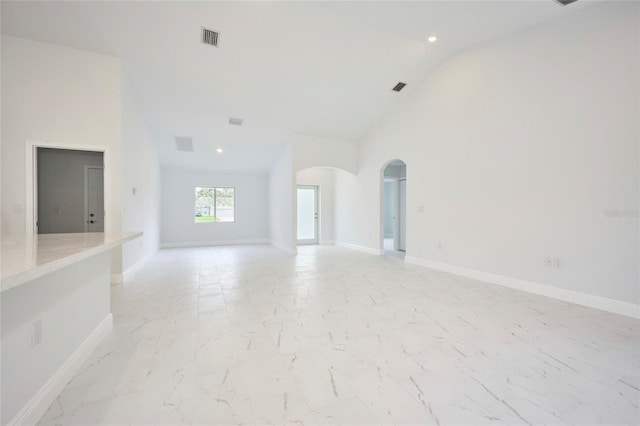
[(90, 221)]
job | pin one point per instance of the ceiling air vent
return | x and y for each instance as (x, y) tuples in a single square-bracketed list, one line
[(235, 121), (398, 87), (565, 2), (184, 144), (209, 37)]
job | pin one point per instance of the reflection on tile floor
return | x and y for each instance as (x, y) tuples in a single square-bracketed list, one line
[(249, 335)]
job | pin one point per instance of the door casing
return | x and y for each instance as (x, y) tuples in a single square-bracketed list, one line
[(31, 180)]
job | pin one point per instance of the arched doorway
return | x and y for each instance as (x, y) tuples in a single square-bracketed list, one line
[(393, 218)]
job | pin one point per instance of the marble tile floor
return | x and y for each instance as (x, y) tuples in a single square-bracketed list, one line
[(249, 335)]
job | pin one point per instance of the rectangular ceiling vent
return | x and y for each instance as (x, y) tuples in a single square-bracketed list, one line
[(235, 121), (209, 37), (565, 2), (398, 87), (184, 144)]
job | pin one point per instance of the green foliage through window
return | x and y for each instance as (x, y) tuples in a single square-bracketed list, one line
[(215, 204)]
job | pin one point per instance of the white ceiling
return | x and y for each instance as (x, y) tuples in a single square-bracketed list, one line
[(316, 68)]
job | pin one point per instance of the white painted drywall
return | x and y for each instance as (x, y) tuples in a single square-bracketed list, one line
[(311, 151), (178, 208), (71, 303), (282, 222), (516, 149), (322, 177), (61, 189), (62, 95), (141, 173)]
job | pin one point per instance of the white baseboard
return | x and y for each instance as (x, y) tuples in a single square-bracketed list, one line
[(214, 243), (356, 247), (327, 243), (40, 402), (116, 279), (589, 300)]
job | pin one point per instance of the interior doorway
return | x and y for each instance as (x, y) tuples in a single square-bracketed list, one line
[(394, 195), (307, 214), (69, 191)]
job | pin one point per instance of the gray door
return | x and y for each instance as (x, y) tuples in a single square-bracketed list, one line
[(94, 196), (66, 190)]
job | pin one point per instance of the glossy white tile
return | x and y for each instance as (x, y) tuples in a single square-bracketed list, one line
[(249, 335)]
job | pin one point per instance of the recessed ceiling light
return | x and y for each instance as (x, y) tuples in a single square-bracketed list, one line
[(219, 150), (432, 39)]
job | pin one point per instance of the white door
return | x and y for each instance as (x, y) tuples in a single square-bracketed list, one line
[(94, 199), (307, 214), (402, 215)]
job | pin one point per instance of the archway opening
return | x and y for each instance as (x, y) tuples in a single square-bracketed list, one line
[(393, 226)]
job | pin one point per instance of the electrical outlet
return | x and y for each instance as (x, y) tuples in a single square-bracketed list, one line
[(556, 262), (548, 262), (36, 333)]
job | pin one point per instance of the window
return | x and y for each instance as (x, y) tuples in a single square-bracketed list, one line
[(215, 204)]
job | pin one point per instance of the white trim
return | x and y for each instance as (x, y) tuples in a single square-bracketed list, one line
[(213, 243), (327, 243), (31, 181), (584, 299), (40, 402), (116, 279), (362, 249)]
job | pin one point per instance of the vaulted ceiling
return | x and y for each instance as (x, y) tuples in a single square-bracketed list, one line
[(316, 68)]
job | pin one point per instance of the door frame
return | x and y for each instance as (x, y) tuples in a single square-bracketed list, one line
[(31, 180), (396, 206), (86, 193), (315, 240), (401, 218)]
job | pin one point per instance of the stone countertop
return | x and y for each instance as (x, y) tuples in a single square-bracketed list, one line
[(25, 258)]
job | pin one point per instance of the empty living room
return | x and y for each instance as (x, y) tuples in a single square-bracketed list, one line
[(320, 212)]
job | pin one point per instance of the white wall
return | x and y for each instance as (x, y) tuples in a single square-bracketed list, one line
[(71, 303), (178, 209), (515, 150), (311, 151), (141, 172), (61, 186), (322, 177), (282, 202), (62, 95)]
